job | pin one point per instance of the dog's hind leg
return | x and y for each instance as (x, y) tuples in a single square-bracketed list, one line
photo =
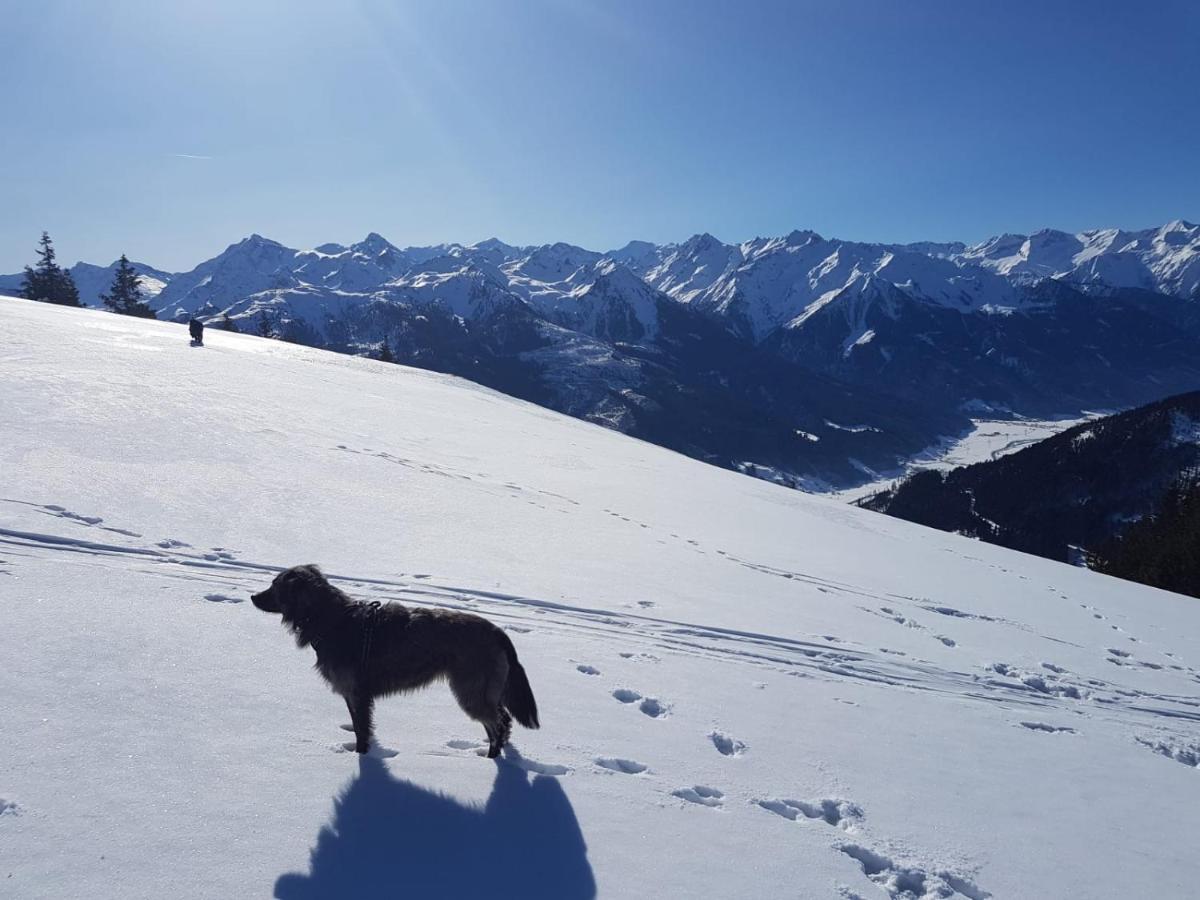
[(361, 717), (479, 696)]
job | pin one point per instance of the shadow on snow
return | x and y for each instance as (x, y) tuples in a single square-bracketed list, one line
[(390, 838)]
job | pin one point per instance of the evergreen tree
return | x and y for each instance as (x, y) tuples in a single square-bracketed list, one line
[(1163, 549), (263, 326), (48, 282), (228, 324), (384, 353), (125, 295)]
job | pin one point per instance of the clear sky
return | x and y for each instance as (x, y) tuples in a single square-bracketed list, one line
[(168, 129)]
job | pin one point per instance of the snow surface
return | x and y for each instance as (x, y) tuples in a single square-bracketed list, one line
[(746, 691)]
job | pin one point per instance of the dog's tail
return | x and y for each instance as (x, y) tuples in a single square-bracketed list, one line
[(518, 696)]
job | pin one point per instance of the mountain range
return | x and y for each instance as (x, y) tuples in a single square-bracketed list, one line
[(810, 361)]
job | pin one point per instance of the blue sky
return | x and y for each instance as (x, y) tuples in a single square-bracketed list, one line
[(168, 130)]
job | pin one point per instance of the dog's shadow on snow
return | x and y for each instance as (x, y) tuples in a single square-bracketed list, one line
[(390, 838)]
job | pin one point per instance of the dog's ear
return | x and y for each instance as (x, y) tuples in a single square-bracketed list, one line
[(311, 572)]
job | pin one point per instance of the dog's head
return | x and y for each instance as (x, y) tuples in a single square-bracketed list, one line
[(292, 591)]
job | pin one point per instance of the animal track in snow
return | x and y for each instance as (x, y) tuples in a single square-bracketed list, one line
[(840, 813), (587, 670), (699, 794), (1051, 729), (651, 706), (654, 708), (958, 613), (376, 751), (62, 512), (647, 656), (1187, 754), (453, 745), (726, 745), (617, 764), (886, 612), (9, 808), (905, 883), (1042, 684), (222, 598)]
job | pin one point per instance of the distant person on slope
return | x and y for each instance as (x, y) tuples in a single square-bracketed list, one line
[(196, 329)]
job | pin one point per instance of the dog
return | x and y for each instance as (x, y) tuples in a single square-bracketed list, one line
[(370, 650)]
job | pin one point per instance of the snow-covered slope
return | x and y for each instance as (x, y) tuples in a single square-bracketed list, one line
[(745, 691)]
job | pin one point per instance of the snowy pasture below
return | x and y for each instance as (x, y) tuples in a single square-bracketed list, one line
[(745, 691)]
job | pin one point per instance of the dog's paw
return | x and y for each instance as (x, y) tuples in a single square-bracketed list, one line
[(374, 750)]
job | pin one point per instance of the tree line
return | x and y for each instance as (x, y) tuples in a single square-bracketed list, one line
[(1161, 549), (48, 282)]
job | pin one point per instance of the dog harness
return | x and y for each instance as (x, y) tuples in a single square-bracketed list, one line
[(368, 634)]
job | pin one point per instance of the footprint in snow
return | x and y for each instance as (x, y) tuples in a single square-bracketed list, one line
[(1187, 754), (625, 695), (617, 764), (726, 745), (9, 808), (901, 882), (653, 708), (376, 751), (840, 813), (701, 795), (222, 598), (1049, 729), (587, 670)]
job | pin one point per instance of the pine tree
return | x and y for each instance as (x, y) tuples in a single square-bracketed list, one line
[(48, 282), (385, 353), (125, 295), (228, 324), (263, 326)]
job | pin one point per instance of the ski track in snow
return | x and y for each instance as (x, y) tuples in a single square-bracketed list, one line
[(221, 577)]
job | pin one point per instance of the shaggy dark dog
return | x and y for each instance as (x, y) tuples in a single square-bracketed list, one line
[(369, 650)]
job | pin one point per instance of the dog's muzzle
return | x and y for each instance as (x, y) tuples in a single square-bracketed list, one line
[(264, 601)]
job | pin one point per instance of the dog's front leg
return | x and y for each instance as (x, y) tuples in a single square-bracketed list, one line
[(362, 708)]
